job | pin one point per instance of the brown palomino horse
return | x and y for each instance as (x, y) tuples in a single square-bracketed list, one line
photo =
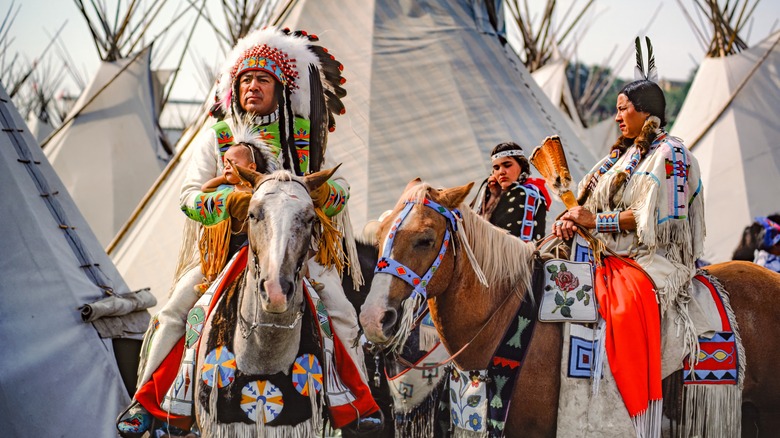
[(462, 307)]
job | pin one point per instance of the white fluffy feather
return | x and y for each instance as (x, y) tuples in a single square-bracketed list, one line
[(243, 133)]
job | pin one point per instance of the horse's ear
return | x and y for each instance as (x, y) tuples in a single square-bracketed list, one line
[(248, 174), (452, 198), (315, 180), (412, 183)]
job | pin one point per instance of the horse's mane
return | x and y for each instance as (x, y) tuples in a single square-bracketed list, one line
[(281, 175), (504, 259)]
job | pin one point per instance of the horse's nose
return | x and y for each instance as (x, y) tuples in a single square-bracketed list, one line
[(277, 293), (388, 321), (287, 286)]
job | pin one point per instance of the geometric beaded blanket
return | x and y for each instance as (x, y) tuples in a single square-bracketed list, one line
[(718, 358), (277, 399)]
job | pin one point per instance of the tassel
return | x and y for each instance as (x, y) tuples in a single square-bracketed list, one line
[(428, 337), (330, 252), (213, 245), (352, 261)]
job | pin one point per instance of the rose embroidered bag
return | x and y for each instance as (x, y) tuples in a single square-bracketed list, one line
[(568, 292)]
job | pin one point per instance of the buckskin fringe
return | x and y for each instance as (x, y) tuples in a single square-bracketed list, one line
[(344, 223), (711, 411), (723, 403), (243, 430), (419, 421), (213, 244), (330, 253), (428, 337), (211, 429), (463, 433), (648, 423)]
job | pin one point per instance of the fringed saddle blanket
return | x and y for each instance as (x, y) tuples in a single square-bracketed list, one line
[(479, 400), (713, 381), (591, 406), (290, 402), (416, 390), (276, 400)]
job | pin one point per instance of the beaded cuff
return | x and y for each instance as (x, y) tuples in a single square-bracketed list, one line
[(608, 222)]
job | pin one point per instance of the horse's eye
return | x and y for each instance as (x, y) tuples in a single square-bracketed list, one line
[(423, 243), (256, 215)]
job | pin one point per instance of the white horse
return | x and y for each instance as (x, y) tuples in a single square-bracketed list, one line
[(269, 303)]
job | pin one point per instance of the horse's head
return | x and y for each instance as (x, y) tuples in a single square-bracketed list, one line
[(413, 242), (281, 217)]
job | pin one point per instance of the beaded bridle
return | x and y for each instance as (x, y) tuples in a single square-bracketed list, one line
[(390, 266)]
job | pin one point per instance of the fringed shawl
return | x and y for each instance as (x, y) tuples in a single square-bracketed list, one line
[(665, 193)]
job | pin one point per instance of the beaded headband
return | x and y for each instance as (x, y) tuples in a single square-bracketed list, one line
[(268, 59), (509, 153)]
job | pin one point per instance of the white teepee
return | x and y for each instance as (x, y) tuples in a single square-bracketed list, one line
[(551, 77), (431, 90), (59, 378), (729, 121), (108, 151)]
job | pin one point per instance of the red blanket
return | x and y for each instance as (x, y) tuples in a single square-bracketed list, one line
[(627, 302), (152, 393)]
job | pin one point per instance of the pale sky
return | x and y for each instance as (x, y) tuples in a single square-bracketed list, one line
[(613, 24)]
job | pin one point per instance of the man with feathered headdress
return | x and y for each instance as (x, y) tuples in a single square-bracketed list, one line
[(280, 90)]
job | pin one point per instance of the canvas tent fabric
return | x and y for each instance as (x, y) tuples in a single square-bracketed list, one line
[(109, 154), (729, 121), (552, 79), (600, 137), (38, 128), (146, 249), (431, 90), (57, 376)]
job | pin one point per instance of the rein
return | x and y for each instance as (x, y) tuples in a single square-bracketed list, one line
[(410, 365)]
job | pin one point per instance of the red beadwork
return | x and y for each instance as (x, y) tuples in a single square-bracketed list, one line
[(282, 60)]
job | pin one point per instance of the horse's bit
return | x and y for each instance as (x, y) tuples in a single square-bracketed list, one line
[(387, 265)]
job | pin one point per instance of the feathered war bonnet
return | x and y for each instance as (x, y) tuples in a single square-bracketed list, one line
[(309, 85)]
